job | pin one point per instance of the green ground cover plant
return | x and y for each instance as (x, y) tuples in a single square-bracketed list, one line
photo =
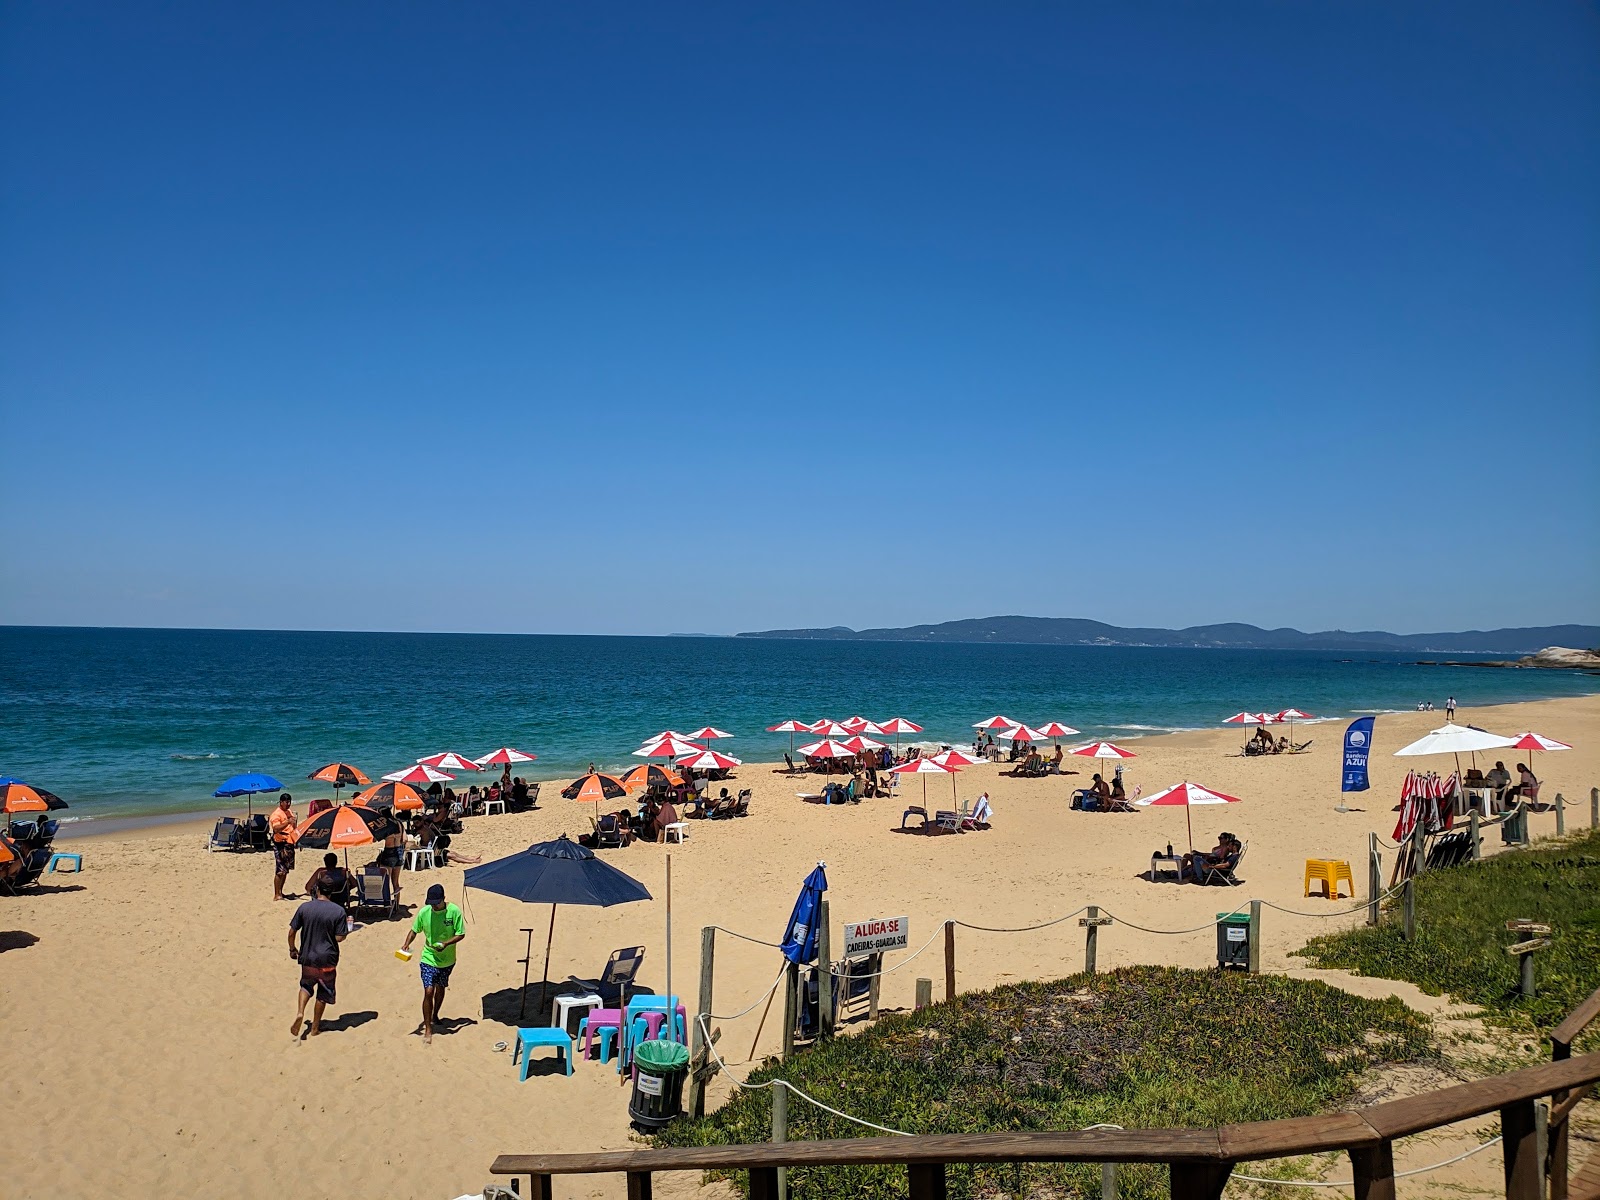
[(1461, 932), (1138, 1047)]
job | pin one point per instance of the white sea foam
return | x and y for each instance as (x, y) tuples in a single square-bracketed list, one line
[(209, 754), (1158, 728)]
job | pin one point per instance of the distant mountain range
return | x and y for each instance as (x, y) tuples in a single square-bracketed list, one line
[(1073, 631)]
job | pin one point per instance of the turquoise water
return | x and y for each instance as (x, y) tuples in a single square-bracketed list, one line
[(130, 722)]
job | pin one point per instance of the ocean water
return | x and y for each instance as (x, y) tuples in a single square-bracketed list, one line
[(125, 722)]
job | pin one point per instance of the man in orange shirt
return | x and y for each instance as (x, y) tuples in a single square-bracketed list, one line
[(282, 825)]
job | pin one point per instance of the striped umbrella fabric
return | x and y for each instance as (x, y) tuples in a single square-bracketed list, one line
[(1025, 733), (832, 729), (709, 760), (1251, 718), (1187, 794), (954, 758), (996, 722), (596, 787), (862, 744), (1537, 741), (1055, 729), (449, 761), (827, 748), (669, 745), (707, 733), (341, 775), (401, 797), (345, 826), (789, 726), (419, 774), (1102, 750), (899, 725), (926, 767), (505, 756), (19, 797)]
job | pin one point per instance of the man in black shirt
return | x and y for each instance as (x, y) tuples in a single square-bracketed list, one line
[(320, 924)]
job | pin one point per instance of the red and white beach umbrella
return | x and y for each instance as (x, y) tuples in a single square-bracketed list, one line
[(1536, 741), (668, 746), (709, 760), (706, 733), (954, 758), (504, 756), (1188, 795), (1055, 729), (862, 744), (1102, 751), (421, 773), (926, 767), (449, 761), (1251, 718), (791, 727), (897, 726), (995, 722), (832, 729), (1026, 733), (854, 724), (1291, 715), (827, 748)]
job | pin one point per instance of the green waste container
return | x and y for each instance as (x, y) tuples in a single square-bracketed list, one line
[(1233, 941), (658, 1086)]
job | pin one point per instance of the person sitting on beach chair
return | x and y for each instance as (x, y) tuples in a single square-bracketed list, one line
[(981, 814), (1198, 863), (1118, 800), (1054, 765), (1094, 798), (330, 880)]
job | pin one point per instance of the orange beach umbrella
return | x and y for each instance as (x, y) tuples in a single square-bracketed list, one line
[(401, 797), (19, 797), (341, 775)]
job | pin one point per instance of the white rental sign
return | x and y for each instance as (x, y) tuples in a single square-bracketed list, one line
[(870, 937)]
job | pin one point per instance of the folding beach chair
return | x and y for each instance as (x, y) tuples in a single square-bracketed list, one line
[(620, 970), (1223, 872), (226, 835), (372, 890)]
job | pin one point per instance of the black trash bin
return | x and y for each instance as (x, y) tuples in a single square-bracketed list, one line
[(658, 1090), (1233, 941)]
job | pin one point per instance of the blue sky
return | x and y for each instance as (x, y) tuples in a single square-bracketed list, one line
[(662, 318)]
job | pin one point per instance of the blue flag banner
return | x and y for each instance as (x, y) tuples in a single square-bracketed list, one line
[(1357, 745)]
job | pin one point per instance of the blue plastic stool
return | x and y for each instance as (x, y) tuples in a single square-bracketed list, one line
[(77, 862), (606, 1033), (527, 1039)]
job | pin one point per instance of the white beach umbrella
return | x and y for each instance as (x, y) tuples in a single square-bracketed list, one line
[(420, 773), (1456, 740)]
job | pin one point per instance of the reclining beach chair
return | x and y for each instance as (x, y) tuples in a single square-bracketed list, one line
[(226, 835), (852, 983), (741, 803), (1223, 872), (953, 821), (607, 835), (258, 834), (620, 971), (793, 770), (372, 890)]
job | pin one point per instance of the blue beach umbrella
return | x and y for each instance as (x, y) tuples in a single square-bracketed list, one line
[(555, 873), (800, 936), (247, 785)]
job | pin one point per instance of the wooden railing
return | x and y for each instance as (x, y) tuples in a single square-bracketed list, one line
[(1564, 1101), (1200, 1159)]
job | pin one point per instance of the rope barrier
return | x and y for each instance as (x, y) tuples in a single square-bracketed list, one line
[(1350, 1182), (1020, 928), (747, 937)]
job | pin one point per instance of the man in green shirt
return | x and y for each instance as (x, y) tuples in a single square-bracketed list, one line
[(441, 926)]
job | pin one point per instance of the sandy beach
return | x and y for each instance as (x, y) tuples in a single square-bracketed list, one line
[(153, 994)]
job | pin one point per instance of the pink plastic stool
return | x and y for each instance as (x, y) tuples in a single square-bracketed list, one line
[(597, 1019)]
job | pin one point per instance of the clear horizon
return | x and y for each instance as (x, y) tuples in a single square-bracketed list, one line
[(647, 321)]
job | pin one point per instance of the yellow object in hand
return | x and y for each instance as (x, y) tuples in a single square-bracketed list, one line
[(403, 955)]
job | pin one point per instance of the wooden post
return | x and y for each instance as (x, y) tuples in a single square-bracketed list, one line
[(1477, 842), (1108, 1181), (780, 1133), (539, 1187), (791, 986), (1557, 1169), (764, 1183), (1374, 878), (1522, 1167), (824, 973), (876, 963), (1410, 897), (697, 1035), (639, 1185), (1090, 938), (924, 993), (1199, 1180), (927, 1181), (1561, 815), (1374, 1171), (949, 960), (1419, 858), (1594, 808), (1255, 937), (1541, 1140)]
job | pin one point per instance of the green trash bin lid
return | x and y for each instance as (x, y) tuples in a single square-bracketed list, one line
[(1233, 918), (662, 1057)]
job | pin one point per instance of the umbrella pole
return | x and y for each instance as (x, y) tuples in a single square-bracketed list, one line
[(544, 984), (671, 1009), (1189, 817), (522, 999)]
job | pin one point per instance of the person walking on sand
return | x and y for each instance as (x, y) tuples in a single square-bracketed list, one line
[(321, 926), (282, 826), (1450, 708), (441, 926)]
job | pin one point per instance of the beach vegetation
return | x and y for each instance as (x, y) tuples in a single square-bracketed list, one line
[(1461, 935), (1137, 1047)]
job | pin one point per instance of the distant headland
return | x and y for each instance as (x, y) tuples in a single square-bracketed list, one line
[(1075, 631)]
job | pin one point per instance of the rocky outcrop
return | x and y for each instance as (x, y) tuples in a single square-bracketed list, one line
[(1562, 657)]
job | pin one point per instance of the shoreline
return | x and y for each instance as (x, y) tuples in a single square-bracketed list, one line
[(201, 821)]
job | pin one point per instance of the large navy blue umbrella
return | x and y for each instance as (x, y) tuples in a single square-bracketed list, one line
[(555, 873), (247, 784), (800, 936)]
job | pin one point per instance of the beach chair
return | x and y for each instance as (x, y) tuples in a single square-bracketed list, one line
[(226, 835), (372, 890), (852, 984), (741, 803), (620, 970), (607, 836), (945, 819), (793, 770), (33, 865), (1223, 872), (258, 834)]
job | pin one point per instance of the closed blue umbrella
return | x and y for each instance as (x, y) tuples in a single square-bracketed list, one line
[(247, 785), (555, 873), (800, 936)]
